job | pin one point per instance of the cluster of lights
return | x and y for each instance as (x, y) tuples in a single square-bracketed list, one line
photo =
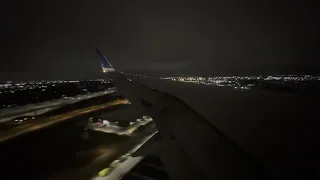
[(277, 77), (293, 78), (234, 81), (217, 81), (139, 75), (10, 87), (31, 87)]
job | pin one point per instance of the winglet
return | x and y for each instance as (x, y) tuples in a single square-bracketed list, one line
[(105, 64)]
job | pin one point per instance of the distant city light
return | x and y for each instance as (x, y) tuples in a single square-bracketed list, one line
[(235, 81), (38, 91)]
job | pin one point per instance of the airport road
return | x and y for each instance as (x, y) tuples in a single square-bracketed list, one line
[(55, 119)]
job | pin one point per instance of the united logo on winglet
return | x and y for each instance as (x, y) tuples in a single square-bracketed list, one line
[(105, 64)]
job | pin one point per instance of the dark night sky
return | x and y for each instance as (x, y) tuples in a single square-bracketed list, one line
[(57, 40)]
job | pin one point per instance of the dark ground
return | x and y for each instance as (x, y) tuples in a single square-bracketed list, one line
[(54, 149), (60, 149)]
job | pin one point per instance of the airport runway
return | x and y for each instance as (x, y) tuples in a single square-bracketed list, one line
[(23, 129)]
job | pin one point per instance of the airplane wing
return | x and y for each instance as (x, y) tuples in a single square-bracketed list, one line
[(190, 147)]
